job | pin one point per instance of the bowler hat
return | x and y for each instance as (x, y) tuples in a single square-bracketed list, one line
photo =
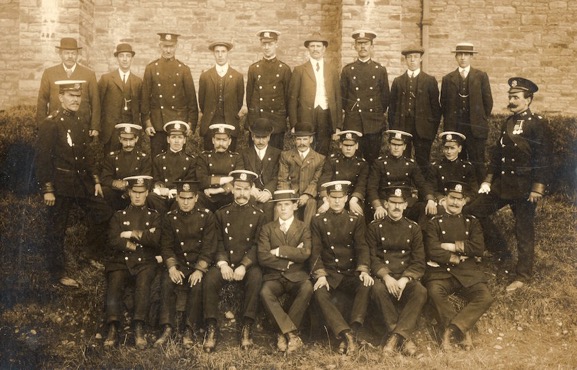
[(261, 127), (68, 43), (303, 129), (316, 37), (123, 48)]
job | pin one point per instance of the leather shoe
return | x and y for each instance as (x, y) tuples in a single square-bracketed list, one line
[(350, 341), (246, 336), (514, 286), (69, 282), (112, 336), (294, 342), (409, 349), (392, 344), (281, 343), (467, 342), (139, 338), (187, 338), (210, 338), (166, 333)]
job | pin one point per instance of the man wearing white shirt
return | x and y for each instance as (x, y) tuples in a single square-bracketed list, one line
[(414, 106), (120, 94), (466, 104), (315, 96), (220, 95)]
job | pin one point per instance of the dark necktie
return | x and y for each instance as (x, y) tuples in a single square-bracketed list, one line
[(318, 66)]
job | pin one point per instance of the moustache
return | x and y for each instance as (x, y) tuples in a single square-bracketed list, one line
[(511, 106)]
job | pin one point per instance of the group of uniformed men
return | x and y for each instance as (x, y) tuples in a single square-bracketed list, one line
[(289, 222)]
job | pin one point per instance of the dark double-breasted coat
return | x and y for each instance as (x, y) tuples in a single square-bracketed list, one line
[(120, 164), (443, 170), (354, 169), (169, 167)]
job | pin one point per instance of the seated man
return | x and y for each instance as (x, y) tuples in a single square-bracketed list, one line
[(300, 169), (452, 241), (122, 163), (398, 260), (134, 242), (213, 168), (341, 261), (283, 248), (347, 166), (171, 166), (262, 159), (238, 226), (188, 243), (450, 168)]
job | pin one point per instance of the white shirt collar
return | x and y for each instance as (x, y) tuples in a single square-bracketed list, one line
[(221, 70), (260, 152), (288, 222), (467, 69), (414, 73), (70, 69), (305, 153)]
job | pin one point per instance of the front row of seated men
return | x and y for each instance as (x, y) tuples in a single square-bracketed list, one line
[(338, 254)]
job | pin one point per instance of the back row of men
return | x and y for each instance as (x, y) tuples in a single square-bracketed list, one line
[(311, 93)]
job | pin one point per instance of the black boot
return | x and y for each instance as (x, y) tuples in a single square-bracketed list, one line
[(350, 342), (139, 338), (246, 336), (112, 335), (210, 338), (166, 333)]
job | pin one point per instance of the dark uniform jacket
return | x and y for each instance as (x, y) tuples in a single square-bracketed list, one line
[(443, 170), (48, 101), (300, 175), (354, 169), (168, 167), (238, 228), (339, 246), (427, 109), (480, 102), (266, 169), (396, 248), (208, 98), (65, 164), (464, 230), (147, 225), (111, 88), (365, 94), (120, 164), (390, 171), (267, 92), (520, 160), (168, 94), (290, 250), (303, 87), (188, 239), (211, 166)]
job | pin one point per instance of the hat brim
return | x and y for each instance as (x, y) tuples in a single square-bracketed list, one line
[(124, 51), (464, 51), (227, 45), (325, 43), (303, 133), (68, 48)]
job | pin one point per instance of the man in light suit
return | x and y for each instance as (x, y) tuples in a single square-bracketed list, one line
[(466, 103), (415, 106), (168, 94), (283, 248), (48, 101), (300, 169), (120, 94), (315, 94), (220, 95), (262, 159)]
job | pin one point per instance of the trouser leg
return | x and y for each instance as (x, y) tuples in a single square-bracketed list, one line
[(252, 285), (479, 300), (167, 301), (439, 291), (524, 212), (142, 292), (114, 293), (411, 304), (213, 283)]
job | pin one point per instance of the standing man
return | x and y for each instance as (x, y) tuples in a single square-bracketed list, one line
[(267, 88), (466, 103), (238, 227), (346, 166), (415, 106), (283, 248), (66, 172), (220, 95), (398, 261), (452, 242), (168, 94), (134, 242), (340, 262), (188, 244), (365, 93), (128, 161), (120, 96), (300, 169), (315, 94), (517, 176), (213, 167), (263, 159), (49, 92)]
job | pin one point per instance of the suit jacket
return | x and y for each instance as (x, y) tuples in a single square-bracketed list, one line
[(233, 94), (300, 175), (480, 102), (48, 102), (111, 90), (302, 89), (272, 237), (267, 168), (427, 108)]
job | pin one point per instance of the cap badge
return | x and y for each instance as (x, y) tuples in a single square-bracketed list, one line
[(449, 137), (177, 126), (398, 135), (77, 86), (398, 192), (140, 181), (221, 130), (267, 34), (338, 187), (349, 135), (186, 187), (243, 176), (168, 37), (361, 34), (513, 83), (459, 187)]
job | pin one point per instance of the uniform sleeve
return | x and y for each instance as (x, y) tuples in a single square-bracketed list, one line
[(474, 246), (362, 253), (360, 190), (167, 242), (115, 228), (317, 265), (202, 172), (494, 166), (157, 172), (373, 184), (150, 237), (378, 267), (209, 240), (541, 155), (47, 132), (190, 92), (424, 188), (433, 249), (221, 254), (107, 173), (250, 258), (416, 268), (326, 176), (146, 165)]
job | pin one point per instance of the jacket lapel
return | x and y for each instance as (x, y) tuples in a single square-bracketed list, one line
[(309, 71), (118, 81)]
